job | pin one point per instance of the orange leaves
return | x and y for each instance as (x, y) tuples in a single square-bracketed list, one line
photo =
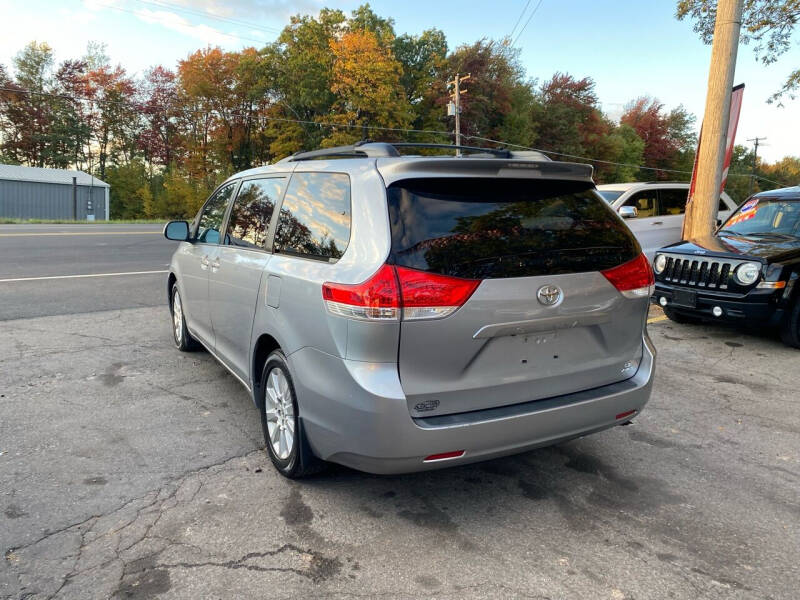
[(366, 82)]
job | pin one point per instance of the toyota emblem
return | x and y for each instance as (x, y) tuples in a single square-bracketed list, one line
[(549, 295)]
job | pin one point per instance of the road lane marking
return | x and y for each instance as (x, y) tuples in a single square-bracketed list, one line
[(657, 319), (34, 233), (81, 276)]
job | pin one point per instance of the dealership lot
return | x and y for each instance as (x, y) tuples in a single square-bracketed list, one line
[(130, 470)]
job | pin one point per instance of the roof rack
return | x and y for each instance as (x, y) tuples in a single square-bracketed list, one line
[(370, 149)]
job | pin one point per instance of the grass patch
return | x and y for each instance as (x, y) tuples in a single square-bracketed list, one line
[(6, 221)]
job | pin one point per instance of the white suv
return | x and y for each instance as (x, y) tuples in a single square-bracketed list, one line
[(655, 213)]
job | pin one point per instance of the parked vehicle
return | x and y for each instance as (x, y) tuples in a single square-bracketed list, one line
[(654, 211), (746, 273), (396, 313)]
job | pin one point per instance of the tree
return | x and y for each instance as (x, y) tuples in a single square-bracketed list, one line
[(31, 114), (113, 117), (768, 24), (569, 119), (668, 137), (495, 91), (366, 81), (158, 137)]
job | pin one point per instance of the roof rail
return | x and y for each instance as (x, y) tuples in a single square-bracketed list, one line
[(370, 149), (499, 152), (366, 149)]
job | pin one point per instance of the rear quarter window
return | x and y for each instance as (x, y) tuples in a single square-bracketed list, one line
[(499, 228), (314, 220)]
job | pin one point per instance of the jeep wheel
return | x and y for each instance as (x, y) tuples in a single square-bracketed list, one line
[(790, 328)]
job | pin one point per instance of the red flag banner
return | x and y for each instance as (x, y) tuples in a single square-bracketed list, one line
[(737, 93), (733, 122)]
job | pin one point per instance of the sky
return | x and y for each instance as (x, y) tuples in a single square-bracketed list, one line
[(629, 47)]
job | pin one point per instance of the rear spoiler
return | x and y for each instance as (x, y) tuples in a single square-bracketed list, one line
[(392, 169)]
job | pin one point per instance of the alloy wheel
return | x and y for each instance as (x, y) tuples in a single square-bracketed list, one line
[(279, 408), (177, 317)]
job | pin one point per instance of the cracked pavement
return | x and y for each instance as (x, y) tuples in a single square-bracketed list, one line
[(130, 470)]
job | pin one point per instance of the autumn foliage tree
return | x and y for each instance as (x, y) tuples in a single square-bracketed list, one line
[(165, 139), (366, 82)]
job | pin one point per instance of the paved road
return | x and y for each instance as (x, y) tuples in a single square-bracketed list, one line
[(130, 470), (59, 252)]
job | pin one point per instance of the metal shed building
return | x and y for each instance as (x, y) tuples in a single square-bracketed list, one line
[(34, 193)]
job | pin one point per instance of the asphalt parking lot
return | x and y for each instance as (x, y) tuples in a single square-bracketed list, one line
[(130, 470)]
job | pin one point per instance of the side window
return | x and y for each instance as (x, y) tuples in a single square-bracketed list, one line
[(673, 202), (252, 211), (315, 216), (722, 205), (645, 203), (210, 220)]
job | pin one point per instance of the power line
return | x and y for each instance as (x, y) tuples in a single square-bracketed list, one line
[(139, 14), (526, 22), (207, 15), (234, 113), (519, 18), (607, 162)]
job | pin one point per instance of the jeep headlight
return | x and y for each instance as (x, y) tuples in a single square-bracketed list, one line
[(660, 263), (748, 273)]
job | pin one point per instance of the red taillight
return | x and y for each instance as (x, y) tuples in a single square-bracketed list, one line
[(627, 413), (377, 298), (418, 294), (427, 295), (634, 279)]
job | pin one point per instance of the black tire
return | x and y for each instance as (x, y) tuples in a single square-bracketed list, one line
[(680, 317), (180, 334), (299, 461), (790, 328)]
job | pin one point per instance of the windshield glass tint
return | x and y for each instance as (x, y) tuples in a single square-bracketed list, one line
[(610, 195), (490, 228), (765, 215)]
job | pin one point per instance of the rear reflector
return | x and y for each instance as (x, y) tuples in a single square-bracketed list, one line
[(627, 413), (444, 456), (418, 294), (633, 279)]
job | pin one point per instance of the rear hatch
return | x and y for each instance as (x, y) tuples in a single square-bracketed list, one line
[(542, 318)]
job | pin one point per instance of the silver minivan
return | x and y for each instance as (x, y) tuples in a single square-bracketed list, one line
[(398, 313)]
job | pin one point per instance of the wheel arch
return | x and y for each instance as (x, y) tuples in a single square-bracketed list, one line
[(171, 280), (264, 346)]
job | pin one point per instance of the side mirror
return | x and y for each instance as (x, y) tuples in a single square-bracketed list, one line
[(628, 212), (177, 230)]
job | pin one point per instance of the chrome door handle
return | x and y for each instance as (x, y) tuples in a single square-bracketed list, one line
[(657, 223), (204, 263)]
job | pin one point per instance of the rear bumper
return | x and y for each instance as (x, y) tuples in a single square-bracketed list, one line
[(755, 307), (355, 414)]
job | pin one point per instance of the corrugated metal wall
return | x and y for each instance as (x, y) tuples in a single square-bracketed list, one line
[(34, 200)]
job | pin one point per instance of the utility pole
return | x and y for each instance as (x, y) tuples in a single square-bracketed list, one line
[(701, 212), (755, 141), (454, 107)]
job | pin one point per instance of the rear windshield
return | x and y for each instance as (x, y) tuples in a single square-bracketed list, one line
[(498, 228)]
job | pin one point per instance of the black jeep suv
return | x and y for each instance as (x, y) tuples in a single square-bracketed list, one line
[(745, 273)]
